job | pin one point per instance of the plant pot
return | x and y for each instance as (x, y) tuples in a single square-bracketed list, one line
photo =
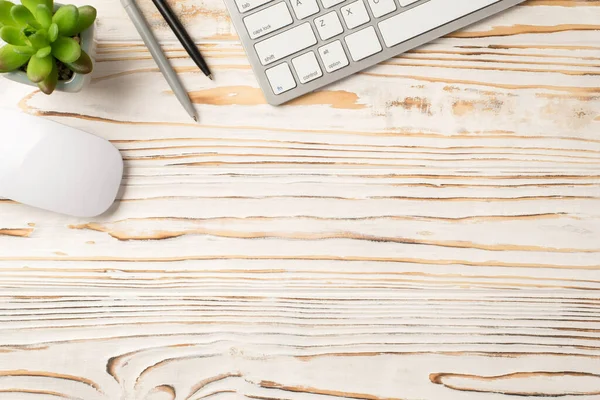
[(77, 81)]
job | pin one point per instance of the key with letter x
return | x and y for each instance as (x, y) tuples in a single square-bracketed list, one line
[(355, 14)]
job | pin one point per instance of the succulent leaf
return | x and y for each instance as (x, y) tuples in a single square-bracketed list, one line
[(38, 69), (87, 16), (39, 40), (44, 52), (66, 18), (12, 35), (32, 4), (6, 18), (23, 16), (43, 15), (10, 60), (83, 65), (49, 84), (24, 50), (66, 50), (53, 32)]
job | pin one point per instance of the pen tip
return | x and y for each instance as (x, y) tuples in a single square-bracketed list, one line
[(195, 117), (210, 77)]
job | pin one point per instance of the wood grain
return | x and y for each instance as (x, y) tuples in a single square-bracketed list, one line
[(430, 231)]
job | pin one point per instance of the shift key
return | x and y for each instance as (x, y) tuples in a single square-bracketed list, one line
[(286, 43)]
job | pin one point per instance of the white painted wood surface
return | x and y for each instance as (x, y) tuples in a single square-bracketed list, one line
[(428, 229)]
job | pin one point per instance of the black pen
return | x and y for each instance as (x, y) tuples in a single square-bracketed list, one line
[(182, 35)]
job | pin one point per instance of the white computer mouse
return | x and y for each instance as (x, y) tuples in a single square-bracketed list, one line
[(48, 165)]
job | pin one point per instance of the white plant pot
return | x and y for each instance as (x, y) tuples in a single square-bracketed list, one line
[(78, 81)]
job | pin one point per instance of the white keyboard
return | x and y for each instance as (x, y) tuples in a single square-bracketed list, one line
[(298, 46)]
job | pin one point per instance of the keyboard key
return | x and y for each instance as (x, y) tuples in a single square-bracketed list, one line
[(355, 14), (363, 43), (382, 7), (268, 20), (281, 78), (331, 3), (406, 3), (304, 8), (328, 25), (333, 56), (425, 17), (307, 67), (247, 5), (286, 43)]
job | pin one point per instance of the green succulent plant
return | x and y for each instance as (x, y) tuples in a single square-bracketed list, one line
[(38, 38)]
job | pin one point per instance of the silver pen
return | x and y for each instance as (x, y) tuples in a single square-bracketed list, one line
[(159, 57)]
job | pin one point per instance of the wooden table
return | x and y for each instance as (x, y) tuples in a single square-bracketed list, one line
[(428, 229)]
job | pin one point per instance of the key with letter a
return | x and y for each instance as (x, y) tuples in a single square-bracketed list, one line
[(304, 8)]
